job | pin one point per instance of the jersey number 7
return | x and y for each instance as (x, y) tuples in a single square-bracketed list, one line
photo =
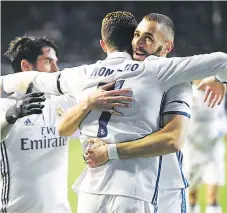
[(105, 116)]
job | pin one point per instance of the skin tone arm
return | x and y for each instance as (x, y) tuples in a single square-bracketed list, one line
[(101, 99), (168, 140)]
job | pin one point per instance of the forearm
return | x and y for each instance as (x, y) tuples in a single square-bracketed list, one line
[(43, 82), (17, 82), (168, 140), (72, 118), (49, 83), (153, 145)]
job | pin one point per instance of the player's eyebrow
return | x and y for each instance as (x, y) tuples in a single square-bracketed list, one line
[(48, 58), (150, 34), (146, 33)]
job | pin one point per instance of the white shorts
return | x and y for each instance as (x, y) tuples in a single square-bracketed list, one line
[(93, 203), (172, 200), (205, 166)]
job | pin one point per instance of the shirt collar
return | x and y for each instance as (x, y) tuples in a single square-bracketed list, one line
[(119, 55)]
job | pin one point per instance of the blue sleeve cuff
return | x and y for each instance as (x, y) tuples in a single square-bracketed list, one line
[(177, 113)]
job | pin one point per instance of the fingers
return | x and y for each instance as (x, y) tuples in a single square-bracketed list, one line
[(36, 94), (214, 101), (108, 86), (220, 99), (35, 106), (88, 161), (112, 111), (118, 98), (118, 92), (36, 99), (206, 94), (34, 111), (123, 105), (211, 98)]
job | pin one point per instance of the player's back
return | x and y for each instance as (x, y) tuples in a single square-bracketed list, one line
[(136, 177), (35, 163)]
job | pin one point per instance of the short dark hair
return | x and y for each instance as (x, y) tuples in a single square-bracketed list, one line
[(118, 29), (166, 22), (28, 48)]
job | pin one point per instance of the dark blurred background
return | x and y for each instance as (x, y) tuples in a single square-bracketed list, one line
[(75, 26)]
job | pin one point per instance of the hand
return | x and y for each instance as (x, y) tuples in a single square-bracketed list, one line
[(106, 100), (214, 89), (26, 105), (97, 153)]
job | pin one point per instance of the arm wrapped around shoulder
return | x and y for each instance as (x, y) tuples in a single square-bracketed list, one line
[(18, 82)]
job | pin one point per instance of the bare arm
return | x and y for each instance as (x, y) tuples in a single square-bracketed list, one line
[(100, 99), (168, 140), (72, 118)]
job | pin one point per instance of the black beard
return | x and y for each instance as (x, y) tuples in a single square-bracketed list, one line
[(157, 52)]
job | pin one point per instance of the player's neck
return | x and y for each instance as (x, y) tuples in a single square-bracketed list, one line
[(113, 50)]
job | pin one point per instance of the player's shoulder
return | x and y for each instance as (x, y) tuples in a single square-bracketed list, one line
[(76, 68), (185, 86), (182, 90), (61, 103), (152, 58)]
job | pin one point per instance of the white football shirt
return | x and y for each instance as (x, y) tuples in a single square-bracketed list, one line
[(151, 78), (34, 162), (177, 100)]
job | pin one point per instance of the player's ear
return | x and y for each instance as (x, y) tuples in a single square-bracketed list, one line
[(103, 45), (25, 65), (168, 47)]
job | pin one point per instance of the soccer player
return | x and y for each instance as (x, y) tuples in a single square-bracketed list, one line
[(34, 157), (154, 35), (99, 186), (205, 143)]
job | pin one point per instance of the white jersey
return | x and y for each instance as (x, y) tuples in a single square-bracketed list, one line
[(177, 100), (151, 78), (207, 124), (34, 162)]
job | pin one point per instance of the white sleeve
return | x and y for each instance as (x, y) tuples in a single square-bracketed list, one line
[(17, 82), (172, 71), (48, 83), (66, 81), (71, 80), (57, 83), (64, 102), (178, 100)]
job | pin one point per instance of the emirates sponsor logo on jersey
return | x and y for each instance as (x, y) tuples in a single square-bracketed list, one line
[(48, 139)]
